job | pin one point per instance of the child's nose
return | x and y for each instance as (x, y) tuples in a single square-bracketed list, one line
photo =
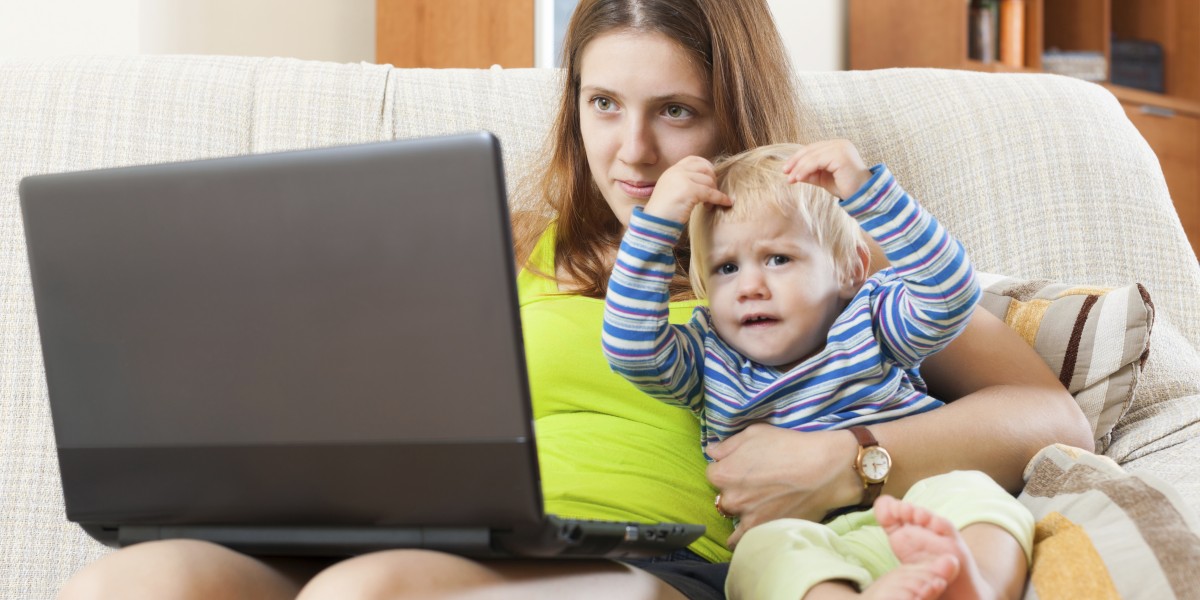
[(752, 285)]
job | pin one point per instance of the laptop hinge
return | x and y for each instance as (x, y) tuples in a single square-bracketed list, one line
[(317, 541)]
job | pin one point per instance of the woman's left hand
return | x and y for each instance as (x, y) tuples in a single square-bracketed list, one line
[(766, 472)]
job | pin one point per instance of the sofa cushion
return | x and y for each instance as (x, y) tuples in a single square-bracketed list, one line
[(1096, 339), (1104, 532)]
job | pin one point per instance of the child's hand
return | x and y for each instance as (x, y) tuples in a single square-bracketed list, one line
[(681, 187), (833, 164)]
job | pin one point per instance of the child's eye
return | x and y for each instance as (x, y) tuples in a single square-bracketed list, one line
[(726, 269), (676, 111), (778, 259)]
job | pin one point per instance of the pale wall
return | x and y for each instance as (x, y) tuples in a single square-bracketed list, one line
[(334, 30), (53, 27), (814, 31)]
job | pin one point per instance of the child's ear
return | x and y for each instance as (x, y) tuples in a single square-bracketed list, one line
[(856, 274)]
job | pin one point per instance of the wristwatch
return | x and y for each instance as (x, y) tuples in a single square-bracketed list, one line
[(872, 464)]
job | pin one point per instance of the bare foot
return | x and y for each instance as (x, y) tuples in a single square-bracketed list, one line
[(906, 582), (919, 537), (919, 581)]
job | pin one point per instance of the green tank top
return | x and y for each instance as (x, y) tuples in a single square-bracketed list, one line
[(606, 450)]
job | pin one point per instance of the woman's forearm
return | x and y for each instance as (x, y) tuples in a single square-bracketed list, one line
[(1005, 405), (996, 430)]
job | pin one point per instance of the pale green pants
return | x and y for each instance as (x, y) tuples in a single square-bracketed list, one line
[(787, 557)]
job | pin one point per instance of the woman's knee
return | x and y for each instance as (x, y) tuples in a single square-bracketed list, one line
[(426, 574), (398, 574), (177, 569)]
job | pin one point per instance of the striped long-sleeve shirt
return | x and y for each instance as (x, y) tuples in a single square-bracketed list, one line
[(867, 371)]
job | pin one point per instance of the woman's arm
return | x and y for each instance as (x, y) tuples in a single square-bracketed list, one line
[(1006, 405)]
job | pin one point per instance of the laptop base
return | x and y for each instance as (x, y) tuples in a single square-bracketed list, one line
[(554, 538)]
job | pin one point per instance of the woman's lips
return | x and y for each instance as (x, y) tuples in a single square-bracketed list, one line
[(637, 189)]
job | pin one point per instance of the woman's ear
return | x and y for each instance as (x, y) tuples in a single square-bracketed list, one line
[(855, 273)]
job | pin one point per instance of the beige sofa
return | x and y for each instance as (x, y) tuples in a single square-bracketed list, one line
[(1040, 176)]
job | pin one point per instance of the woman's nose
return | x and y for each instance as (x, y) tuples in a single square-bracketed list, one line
[(637, 144)]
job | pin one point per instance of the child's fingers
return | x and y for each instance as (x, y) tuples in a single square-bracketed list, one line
[(705, 189), (706, 181), (790, 163), (714, 196), (806, 161)]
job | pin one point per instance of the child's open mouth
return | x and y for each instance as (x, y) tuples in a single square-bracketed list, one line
[(758, 321)]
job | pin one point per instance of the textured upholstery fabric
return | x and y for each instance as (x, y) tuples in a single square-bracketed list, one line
[(1040, 176)]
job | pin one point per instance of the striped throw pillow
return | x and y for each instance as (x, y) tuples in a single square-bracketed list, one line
[(1096, 339), (1104, 532)]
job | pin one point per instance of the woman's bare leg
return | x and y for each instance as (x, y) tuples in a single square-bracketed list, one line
[(180, 569), (424, 574)]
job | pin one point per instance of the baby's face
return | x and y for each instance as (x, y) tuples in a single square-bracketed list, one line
[(773, 291)]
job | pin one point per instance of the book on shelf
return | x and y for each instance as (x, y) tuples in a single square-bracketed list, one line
[(1082, 64), (982, 30), (1012, 33)]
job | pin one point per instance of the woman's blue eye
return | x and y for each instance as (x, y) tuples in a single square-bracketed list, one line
[(778, 259)]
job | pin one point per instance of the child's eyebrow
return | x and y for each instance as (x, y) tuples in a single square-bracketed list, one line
[(772, 243), (718, 256)]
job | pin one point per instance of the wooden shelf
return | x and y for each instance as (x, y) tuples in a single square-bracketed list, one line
[(934, 33), (1175, 104), (995, 67)]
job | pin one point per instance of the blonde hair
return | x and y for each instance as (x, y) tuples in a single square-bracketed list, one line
[(755, 181), (750, 79)]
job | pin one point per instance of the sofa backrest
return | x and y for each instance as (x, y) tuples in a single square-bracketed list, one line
[(1040, 175)]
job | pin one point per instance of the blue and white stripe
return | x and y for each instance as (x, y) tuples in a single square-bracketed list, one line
[(867, 371)]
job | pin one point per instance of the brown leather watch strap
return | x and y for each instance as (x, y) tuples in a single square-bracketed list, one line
[(871, 491), (864, 436), (866, 440)]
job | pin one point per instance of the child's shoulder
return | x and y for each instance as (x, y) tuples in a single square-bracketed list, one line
[(878, 281)]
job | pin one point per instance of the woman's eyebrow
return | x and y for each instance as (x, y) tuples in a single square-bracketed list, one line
[(657, 99), (597, 89)]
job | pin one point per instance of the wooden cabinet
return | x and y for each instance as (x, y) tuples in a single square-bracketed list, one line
[(454, 33), (1175, 137), (935, 33)]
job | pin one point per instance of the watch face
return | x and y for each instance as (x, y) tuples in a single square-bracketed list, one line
[(876, 463)]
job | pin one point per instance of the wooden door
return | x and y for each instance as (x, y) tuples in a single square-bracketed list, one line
[(454, 33)]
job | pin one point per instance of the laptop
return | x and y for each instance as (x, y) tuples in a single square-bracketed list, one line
[(313, 353)]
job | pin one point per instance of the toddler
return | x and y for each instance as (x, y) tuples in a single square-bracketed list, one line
[(798, 335)]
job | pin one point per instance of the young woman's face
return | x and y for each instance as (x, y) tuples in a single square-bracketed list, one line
[(644, 105)]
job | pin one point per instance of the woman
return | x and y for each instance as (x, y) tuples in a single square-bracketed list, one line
[(650, 82)]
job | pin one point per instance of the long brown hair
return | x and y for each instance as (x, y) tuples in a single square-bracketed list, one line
[(753, 97)]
